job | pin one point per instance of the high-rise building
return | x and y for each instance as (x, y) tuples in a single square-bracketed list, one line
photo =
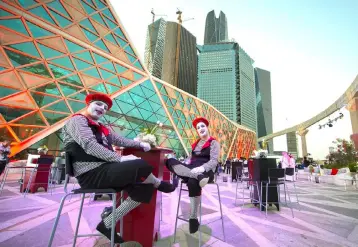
[(264, 105), (226, 81), (215, 28), (292, 144), (165, 59)]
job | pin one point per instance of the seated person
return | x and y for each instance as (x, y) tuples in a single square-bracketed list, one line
[(97, 166), (199, 168)]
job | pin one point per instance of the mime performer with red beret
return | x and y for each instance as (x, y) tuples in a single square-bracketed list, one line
[(97, 166), (199, 168)]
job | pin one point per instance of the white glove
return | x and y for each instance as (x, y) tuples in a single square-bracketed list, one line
[(170, 156), (198, 170), (146, 146), (129, 157)]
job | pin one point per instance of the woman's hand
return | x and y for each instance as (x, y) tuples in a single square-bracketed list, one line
[(129, 157)]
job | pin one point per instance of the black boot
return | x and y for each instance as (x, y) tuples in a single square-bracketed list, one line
[(193, 225), (101, 227), (166, 187), (203, 180)]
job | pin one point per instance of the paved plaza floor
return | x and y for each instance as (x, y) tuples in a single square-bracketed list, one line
[(328, 217)]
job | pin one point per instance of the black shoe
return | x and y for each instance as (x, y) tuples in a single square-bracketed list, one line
[(193, 225), (107, 233), (203, 180), (166, 187), (106, 212)]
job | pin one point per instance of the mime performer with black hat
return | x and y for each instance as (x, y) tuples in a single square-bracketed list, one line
[(97, 166)]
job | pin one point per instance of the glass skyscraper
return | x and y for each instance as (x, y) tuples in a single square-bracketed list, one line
[(226, 81), (54, 53), (215, 28)]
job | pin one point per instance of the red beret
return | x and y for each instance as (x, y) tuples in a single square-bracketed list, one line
[(99, 97), (200, 119)]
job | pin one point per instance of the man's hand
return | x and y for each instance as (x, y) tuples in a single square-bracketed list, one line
[(146, 146), (198, 170), (129, 157)]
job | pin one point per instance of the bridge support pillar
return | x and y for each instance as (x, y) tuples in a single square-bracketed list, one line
[(352, 107), (303, 134)]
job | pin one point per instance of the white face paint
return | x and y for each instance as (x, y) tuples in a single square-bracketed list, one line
[(97, 109), (202, 130)]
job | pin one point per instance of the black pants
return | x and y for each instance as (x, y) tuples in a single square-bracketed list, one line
[(228, 170), (2, 165), (127, 175), (192, 183)]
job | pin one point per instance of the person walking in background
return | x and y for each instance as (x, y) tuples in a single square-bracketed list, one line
[(4, 152), (228, 166)]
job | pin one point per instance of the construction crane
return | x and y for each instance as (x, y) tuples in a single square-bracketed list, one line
[(180, 21)]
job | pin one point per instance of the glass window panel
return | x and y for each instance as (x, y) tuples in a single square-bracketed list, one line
[(108, 13), (37, 32), (148, 85), (49, 52), (147, 93), (73, 79), (85, 56), (92, 72), (61, 20), (4, 91), (4, 13), (120, 41), (27, 3), (88, 9), (2, 68), (58, 6), (14, 24), (53, 117), (76, 106), (24, 132), (72, 47), (138, 91), (129, 49), (134, 113), (111, 89), (19, 59), (50, 88), (27, 47), (32, 119), (9, 114), (59, 106), (67, 89), (86, 23), (100, 88), (125, 98), (120, 69), (110, 38), (115, 80), (101, 45), (119, 32), (137, 76), (109, 66), (99, 19), (41, 12), (39, 69), (106, 74), (99, 4), (80, 96), (125, 81), (110, 23), (59, 72), (81, 65), (64, 61), (99, 59), (90, 35), (131, 58), (137, 99)]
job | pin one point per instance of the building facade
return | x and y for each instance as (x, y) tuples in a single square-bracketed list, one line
[(292, 145), (54, 53), (264, 105), (165, 59), (216, 29), (226, 80)]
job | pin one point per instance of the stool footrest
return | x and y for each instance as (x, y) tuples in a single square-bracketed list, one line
[(89, 235), (183, 219)]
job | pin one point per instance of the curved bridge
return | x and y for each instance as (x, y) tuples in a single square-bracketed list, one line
[(342, 101)]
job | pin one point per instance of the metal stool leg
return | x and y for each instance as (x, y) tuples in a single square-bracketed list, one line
[(298, 202), (266, 198), (289, 198), (56, 221), (176, 218), (200, 223), (78, 220), (114, 201), (4, 179), (237, 185), (221, 212)]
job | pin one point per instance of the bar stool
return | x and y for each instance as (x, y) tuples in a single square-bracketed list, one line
[(83, 192), (276, 177), (291, 172), (180, 217), (251, 184)]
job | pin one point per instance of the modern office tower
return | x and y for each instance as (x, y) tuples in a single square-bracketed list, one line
[(171, 55), (292, 144), (264, 105), (215, 28), (226, 81), (54, 53)]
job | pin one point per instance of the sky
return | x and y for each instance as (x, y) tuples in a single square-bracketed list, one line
[(310, 48)]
